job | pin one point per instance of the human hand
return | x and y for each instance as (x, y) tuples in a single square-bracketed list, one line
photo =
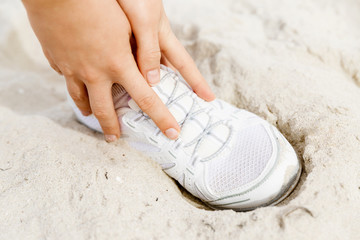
[(155, 39), (89, 43)]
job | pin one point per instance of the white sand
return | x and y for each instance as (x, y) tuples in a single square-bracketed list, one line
[(295, 63)]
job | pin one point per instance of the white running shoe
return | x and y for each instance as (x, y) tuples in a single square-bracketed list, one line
[(227, 157)]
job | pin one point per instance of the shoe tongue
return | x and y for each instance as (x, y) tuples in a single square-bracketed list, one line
[(165, 87), (163, 73), (133, 105)]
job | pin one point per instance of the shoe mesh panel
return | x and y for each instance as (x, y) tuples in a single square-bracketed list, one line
[(250, 154)]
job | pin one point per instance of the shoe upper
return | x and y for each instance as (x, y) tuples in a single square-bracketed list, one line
[(227, 157)]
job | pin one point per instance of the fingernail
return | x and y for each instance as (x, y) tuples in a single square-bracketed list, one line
[(153, 77), (172, 133), (110, 138), (86, 113)]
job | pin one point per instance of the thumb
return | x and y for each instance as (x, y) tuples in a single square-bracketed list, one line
[(148, 56)]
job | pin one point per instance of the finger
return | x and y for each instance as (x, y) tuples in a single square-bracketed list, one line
[(51, 62), (166, 62), (78, 93), (182, 61), (149, 102), (144, 20), (103, 108), (148, 54)]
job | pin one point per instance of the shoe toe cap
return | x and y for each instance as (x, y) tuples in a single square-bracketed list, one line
[(274, 187), (284, 176)]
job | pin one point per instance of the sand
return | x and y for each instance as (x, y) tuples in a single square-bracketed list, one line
[(295, 63)]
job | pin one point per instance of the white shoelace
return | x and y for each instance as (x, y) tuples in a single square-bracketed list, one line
[(190, 115)]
